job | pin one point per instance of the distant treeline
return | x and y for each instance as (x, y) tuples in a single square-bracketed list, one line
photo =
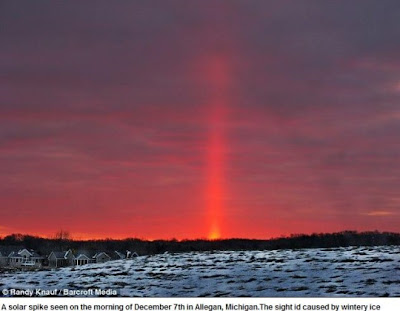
[(142, 247)]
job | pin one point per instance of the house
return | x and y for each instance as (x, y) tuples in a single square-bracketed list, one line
[(3, 259), (61, 259), (101, 257), (14, 259), (134, 255), (116, 255), (5, 251), (83, 259), (25, 258), (130, 255)]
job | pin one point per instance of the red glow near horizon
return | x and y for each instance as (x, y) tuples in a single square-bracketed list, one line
[(217, 74)]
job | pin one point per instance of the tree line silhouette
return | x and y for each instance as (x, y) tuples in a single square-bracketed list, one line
[(143, 247)]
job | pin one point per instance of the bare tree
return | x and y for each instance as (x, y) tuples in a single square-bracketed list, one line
[(62, 235)]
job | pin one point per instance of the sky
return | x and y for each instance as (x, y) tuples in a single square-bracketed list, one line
[(199, 119)]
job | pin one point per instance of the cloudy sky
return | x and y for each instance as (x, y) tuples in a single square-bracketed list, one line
[(189, 119)]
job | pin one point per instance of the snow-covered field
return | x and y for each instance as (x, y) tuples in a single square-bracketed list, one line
[(352, 271)]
